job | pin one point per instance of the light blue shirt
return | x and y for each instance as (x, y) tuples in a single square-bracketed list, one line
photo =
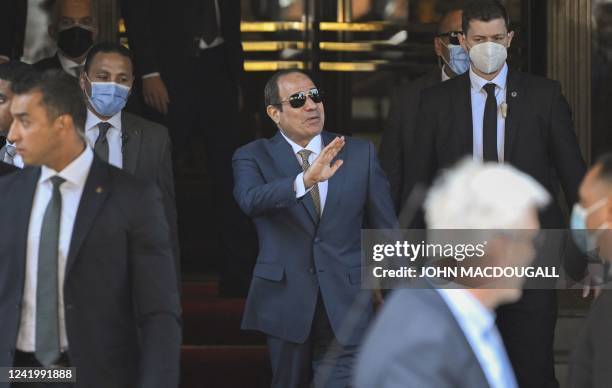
[(479, 98), (315, 146), (478, 326)]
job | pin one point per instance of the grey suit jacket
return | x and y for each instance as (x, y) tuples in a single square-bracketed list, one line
[(147, 154), (590, 359), (415, 342)]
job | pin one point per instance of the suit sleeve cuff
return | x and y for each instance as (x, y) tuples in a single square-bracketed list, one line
[(300, 190)]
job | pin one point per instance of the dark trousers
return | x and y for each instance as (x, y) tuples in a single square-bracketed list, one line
[(28, 360), (320, 360), (528, 328)]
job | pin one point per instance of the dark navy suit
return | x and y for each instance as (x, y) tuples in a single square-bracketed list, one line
[(309, 270)]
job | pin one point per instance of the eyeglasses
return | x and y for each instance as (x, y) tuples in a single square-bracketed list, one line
[(298, 100), (453, 36)]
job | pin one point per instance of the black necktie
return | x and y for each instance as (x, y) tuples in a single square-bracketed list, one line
[(209, 26), (101, 145), (489, 126)]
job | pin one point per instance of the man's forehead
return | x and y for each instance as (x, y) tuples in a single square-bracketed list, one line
[(76, 8), (451, 21), (111, 62), (26, 101), (490, 28), (294, 83)]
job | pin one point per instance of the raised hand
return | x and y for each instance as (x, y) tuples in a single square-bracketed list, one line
[(322, 168)]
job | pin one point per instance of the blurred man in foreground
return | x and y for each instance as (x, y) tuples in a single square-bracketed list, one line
[(443, 338)]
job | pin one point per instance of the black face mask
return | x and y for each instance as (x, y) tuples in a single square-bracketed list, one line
[(75, 41)]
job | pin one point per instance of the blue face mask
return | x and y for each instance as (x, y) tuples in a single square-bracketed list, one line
[(586, 240), (459, 59), (108, 98)]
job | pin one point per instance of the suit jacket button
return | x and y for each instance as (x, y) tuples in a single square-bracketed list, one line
[(317, 240), (311, 270)]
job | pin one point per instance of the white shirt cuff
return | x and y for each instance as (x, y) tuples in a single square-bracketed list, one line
[(151, 75), (300, 190)]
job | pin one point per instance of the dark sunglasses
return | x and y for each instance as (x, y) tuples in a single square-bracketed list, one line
[(453, 36), (298, 100)]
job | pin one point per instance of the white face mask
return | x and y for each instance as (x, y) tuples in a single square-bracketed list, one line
[(488, 57)]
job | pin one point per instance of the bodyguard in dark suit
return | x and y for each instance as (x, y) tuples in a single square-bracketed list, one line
[(495, 114), (86, 272), (189, 60), (138, 146), (400, 129), (309, 193), (74, 28), (592, 215)]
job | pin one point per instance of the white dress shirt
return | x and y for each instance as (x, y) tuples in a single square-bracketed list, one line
[(17, 161), (445, 76), (75, 175), (478, 326), (113, 136), (479, 98), (69, 65), (315, 146)]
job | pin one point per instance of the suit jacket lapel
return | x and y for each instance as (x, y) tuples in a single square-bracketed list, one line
[(24, 198), (515, 108), (334, 185), (462, 103), (287, 162), (94, 194), (131, 139)]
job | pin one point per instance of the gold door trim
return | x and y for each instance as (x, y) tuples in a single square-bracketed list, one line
[(271, 26)]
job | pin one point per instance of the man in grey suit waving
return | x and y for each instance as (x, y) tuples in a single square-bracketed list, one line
[(131, 143), (443, 338), (309, 193)]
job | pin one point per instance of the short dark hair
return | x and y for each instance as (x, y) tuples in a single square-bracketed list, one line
[(484, 11), (605, 161), (106, 48), (60, 94), (12, 71), (271, 95)]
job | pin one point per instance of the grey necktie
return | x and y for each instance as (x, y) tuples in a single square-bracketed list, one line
[(314, 192), (47, 318), (101, 145), (9, 156)]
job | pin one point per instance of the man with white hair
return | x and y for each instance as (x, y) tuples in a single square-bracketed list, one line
[(447, 337)]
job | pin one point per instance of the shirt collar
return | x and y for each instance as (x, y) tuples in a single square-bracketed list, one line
[(76, 172), (445, 76), (93, 121), (66, 62), (313, 146), (468, 309), (500, 80)]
